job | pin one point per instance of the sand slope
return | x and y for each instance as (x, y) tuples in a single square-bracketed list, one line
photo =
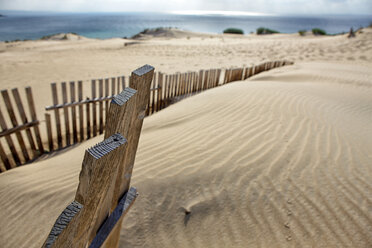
[(280, 160)]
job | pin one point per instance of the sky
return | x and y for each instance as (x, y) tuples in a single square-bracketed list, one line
[(299, 7)]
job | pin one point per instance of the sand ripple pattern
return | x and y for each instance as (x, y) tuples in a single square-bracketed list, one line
[(275, 161)]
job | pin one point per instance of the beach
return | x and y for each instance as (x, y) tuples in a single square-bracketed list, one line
[(282, 159)]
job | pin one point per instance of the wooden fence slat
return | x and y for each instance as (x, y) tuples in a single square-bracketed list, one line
[(156, 92), (178, 81), (14, 121), (4, 159), (56, 115), (123, 82), (177, 86), (213, 78), (65, 112), (160, 92), (210, 78), (9, 141), (218, 77), (73, 113), (200, 80), (206, 78), (88, 117), (184, 82), (179, 89), (18, 128), (48, 124), (94, 108), (174, 86), (118, 85), (187, 83), (168, 89), (153, 94), (31, 106), (100, 88), (190, 82), (113, 86), (106, 95), (148, 109), (196, 80), (81, 113), (166, 82), (22, 114)]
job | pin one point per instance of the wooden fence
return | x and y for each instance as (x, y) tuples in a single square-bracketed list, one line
[(74, 117), (103, 197)]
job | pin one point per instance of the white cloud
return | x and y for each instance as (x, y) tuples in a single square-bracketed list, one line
[(260, 6)]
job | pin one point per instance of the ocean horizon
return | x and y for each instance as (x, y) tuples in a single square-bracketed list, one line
[(34, 25)]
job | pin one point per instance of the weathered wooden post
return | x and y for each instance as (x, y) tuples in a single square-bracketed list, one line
[(103, 196)]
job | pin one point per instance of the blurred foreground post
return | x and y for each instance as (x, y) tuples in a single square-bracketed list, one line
[(103, 196)]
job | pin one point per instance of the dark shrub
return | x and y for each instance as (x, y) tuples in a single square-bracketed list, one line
[(233, 31), (302, 32), (266, 31), (318, 31)]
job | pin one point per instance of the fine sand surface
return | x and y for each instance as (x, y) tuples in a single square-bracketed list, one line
[(280, 160)]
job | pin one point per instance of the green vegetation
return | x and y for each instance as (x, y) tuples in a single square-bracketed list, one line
[(233, 31), (318, 31), (266, 31), (46, 37), (302, 32)]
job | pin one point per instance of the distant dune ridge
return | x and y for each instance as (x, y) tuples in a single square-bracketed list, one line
[(280, 160), (63, 36)]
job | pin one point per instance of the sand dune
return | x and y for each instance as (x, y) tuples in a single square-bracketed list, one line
[(280, 160)]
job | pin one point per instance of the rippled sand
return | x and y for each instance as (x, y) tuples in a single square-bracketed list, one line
[(280, 160)]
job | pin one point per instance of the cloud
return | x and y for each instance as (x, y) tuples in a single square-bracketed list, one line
[(261, 6)]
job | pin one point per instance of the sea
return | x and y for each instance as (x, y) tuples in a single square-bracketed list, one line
[(33, 25)]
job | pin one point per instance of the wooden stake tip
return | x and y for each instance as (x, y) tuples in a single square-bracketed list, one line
[(143, 70), (124, 96), (106, 146)]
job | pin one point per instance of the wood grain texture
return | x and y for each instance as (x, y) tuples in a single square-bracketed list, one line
[(97, 176), (62, 222)]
